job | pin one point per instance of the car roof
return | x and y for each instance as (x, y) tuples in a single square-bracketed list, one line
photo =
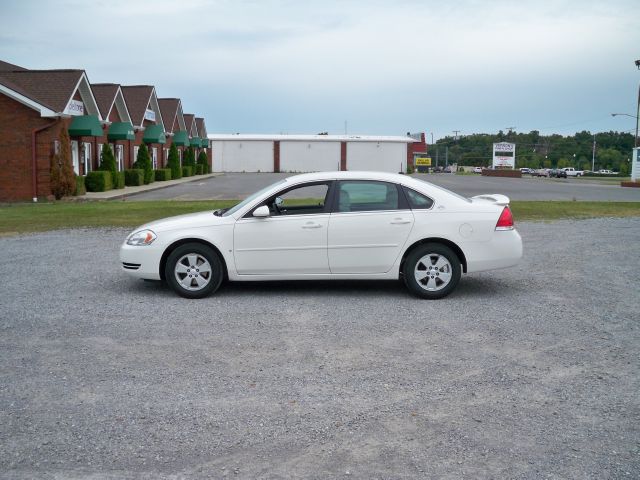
[(351, 175)]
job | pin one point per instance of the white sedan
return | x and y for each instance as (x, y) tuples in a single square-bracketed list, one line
[(331, 225)]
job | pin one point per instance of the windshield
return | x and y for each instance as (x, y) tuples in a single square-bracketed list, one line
[(251, 198)]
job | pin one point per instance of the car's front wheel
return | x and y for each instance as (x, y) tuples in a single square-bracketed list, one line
[(194, 270), (432, 271)]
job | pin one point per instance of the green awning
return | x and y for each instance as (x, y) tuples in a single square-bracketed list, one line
[(195, 142), (121, 131), (154, 134), (85, 126), (181, 139), (205, 143)]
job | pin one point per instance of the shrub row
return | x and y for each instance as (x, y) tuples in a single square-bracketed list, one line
[(102, 180)]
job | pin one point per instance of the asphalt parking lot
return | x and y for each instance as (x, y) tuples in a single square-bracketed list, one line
[(241, 185), (531, 372)]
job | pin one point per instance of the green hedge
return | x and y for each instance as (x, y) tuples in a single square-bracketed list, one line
[(98, 181), (199, 169), (134, 177), (80, 188), (187, 171), (118, 180), (163, 174)]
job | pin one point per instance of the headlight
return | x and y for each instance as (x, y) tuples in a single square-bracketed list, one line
[(143, 237)]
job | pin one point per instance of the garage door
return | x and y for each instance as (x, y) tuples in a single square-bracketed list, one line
[(242, 156), (309, 156), (377, 156)]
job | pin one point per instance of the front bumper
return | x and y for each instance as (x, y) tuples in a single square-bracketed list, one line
[(141, 262)]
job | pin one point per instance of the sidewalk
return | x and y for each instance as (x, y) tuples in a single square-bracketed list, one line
[(131, 191)]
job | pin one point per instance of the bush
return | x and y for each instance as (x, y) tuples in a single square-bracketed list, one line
[(163, 174), (174, 162), (108, 164), (80, 188), (134, 177), (204, 161), (199, 169), (189, 158), (98, 181), (143, 162), (119, 180), (187, 171)]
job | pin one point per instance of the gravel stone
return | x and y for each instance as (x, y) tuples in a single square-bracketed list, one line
[(530, 372)]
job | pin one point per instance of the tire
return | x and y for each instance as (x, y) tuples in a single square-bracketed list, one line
[(437, 259), (194, 270)]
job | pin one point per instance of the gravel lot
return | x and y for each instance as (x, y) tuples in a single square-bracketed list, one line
[(531, 372)]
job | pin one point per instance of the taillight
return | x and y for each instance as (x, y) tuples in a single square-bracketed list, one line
[(505, 222)]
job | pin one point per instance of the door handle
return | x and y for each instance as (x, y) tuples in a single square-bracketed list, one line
[(400, 221), (311, 225)]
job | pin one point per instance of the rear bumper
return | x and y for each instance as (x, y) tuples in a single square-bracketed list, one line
[(502, 251)]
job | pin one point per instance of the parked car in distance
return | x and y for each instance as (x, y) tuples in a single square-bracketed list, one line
[(541, 172), (607, 172), (572, 172), (525, 170), (557, 173), (330, 225), (477, 169)]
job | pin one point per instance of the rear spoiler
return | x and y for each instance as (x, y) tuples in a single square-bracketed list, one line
[(494, 198)]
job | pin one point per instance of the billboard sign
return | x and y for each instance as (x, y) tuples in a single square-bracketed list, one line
[(504, 155)]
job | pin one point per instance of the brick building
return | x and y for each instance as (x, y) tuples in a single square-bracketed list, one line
[(36, 104)]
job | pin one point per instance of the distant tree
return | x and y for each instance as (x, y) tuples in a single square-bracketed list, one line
[(563, 163), (174, 162), (63, 179), (143, 162)]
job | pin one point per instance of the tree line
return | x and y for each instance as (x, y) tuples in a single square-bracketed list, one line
[(613, 150)]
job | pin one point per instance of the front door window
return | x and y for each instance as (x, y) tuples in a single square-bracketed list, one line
[(75, 157), (120, 157), (86, 157), (293, 239)]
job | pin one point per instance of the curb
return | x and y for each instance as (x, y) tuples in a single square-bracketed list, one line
[(120, 194)]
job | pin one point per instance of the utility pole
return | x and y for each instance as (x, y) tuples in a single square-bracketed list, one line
[(593, 156), (446, 156), (456, 132)]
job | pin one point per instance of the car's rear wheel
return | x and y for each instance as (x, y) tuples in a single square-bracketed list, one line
[(432, 271), (194, 270)]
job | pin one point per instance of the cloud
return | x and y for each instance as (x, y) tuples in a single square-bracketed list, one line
[(387, 67)]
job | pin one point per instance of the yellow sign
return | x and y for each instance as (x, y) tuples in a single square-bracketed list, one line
[(423, 161)]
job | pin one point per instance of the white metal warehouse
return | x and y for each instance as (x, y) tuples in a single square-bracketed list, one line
[(308, 153)]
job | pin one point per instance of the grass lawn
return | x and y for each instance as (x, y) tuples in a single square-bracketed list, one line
[(21, 218)]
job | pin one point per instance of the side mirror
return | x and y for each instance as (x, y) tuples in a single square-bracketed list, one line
[(261, 212)]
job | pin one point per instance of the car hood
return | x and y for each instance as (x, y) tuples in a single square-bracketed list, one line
[(190, 220)]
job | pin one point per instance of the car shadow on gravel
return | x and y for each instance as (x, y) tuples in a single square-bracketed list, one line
[(472, 287)]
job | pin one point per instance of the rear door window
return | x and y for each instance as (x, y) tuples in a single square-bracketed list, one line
[(417, 201), (367, 196)]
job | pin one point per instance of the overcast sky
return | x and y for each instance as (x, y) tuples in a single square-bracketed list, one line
[(383, 67)]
